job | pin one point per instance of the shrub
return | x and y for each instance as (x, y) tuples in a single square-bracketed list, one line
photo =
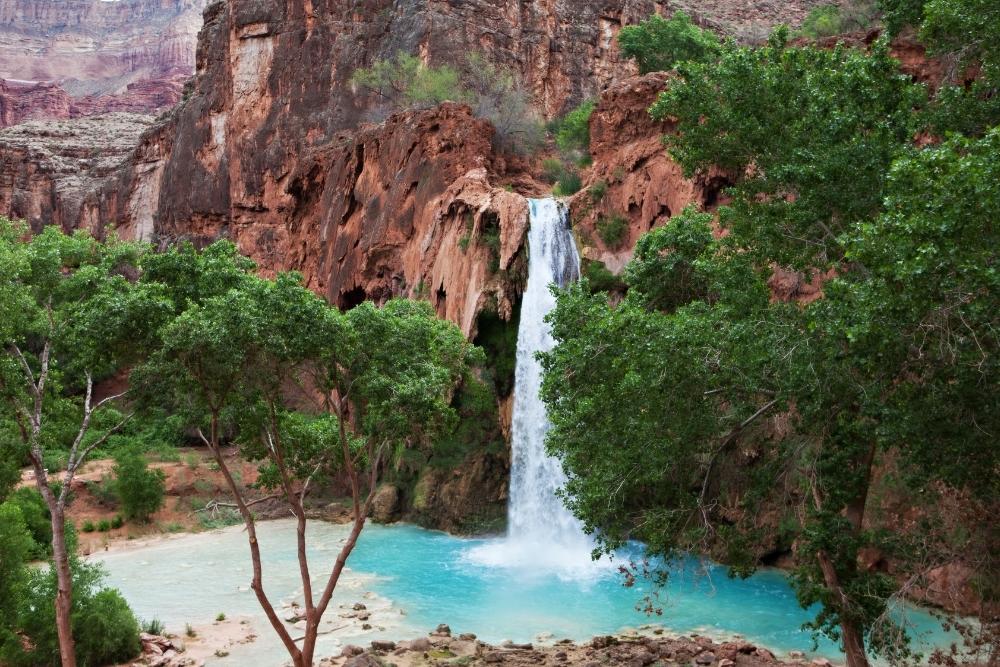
[(552, 169), (104, 491), (405, 81), (598, 190), (822, 21), (117, 521), (153, 627), (88, 526), (103, 526), (140, 489), (833, 19), (107, 631), (612, 230), (499, 98), (189, 631), (573, 131), (36, 518), (463, 243), (192, 460), (569, 184), (600, 279), (104, 627), (658, 44), (221, 617)]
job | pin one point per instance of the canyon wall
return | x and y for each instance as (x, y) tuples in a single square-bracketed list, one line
[(81, 57)]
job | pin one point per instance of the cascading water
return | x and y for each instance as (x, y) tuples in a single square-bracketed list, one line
[(542, 534)]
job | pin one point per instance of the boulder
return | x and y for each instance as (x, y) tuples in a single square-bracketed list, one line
[(705, 658), (351, 650), (764, 654), (383, 645), (363, 660), (385, 505), (419, 644), (443, 630)]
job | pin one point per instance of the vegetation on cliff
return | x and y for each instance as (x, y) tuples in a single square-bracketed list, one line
[(310, 393), (751, 413)]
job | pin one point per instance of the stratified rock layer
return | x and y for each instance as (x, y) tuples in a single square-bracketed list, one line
[(47, 168), (95, 46)]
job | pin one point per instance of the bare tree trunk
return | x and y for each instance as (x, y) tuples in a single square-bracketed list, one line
[(64, 590), (851, 635), (60, 558), (256, 583)]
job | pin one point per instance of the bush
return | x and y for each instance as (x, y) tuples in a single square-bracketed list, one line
[(612, 230), (117, 521), (36, 518), (822, 21), (104, 491), (569, 184), (106, 630), (499, 98), (104, 627), (103, 526), (658, 44), (552, 169), (153, 627), (573, 131), (88, 526), (493, 91), (830, 20), (600, 279), (598, 190), (139, 488), (406, 82)]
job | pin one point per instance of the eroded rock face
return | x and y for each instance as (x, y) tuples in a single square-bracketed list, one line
[(47, 168), (632, 177)]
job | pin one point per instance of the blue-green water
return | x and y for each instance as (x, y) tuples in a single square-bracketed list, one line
[(433, 578)]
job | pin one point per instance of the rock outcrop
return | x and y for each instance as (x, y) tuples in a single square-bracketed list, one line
[(48, 168), (632, 178)]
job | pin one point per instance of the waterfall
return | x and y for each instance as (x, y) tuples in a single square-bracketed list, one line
[(542, 534)]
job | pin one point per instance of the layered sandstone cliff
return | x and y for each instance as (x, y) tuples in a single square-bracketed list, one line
[(47, 168), (80, 57)]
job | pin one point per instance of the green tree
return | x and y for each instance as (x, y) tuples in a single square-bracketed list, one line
[(226, 365), (407, 82), (658, 44), (140, 489), (573, 130), (71, 312), (893, 369)]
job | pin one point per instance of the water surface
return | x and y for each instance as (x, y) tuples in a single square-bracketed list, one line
[(430, 578)]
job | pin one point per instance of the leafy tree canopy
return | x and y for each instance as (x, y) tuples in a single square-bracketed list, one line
[(749, 412), (658, 44)]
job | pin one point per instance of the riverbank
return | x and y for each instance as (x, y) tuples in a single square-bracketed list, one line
[(637, 649)]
